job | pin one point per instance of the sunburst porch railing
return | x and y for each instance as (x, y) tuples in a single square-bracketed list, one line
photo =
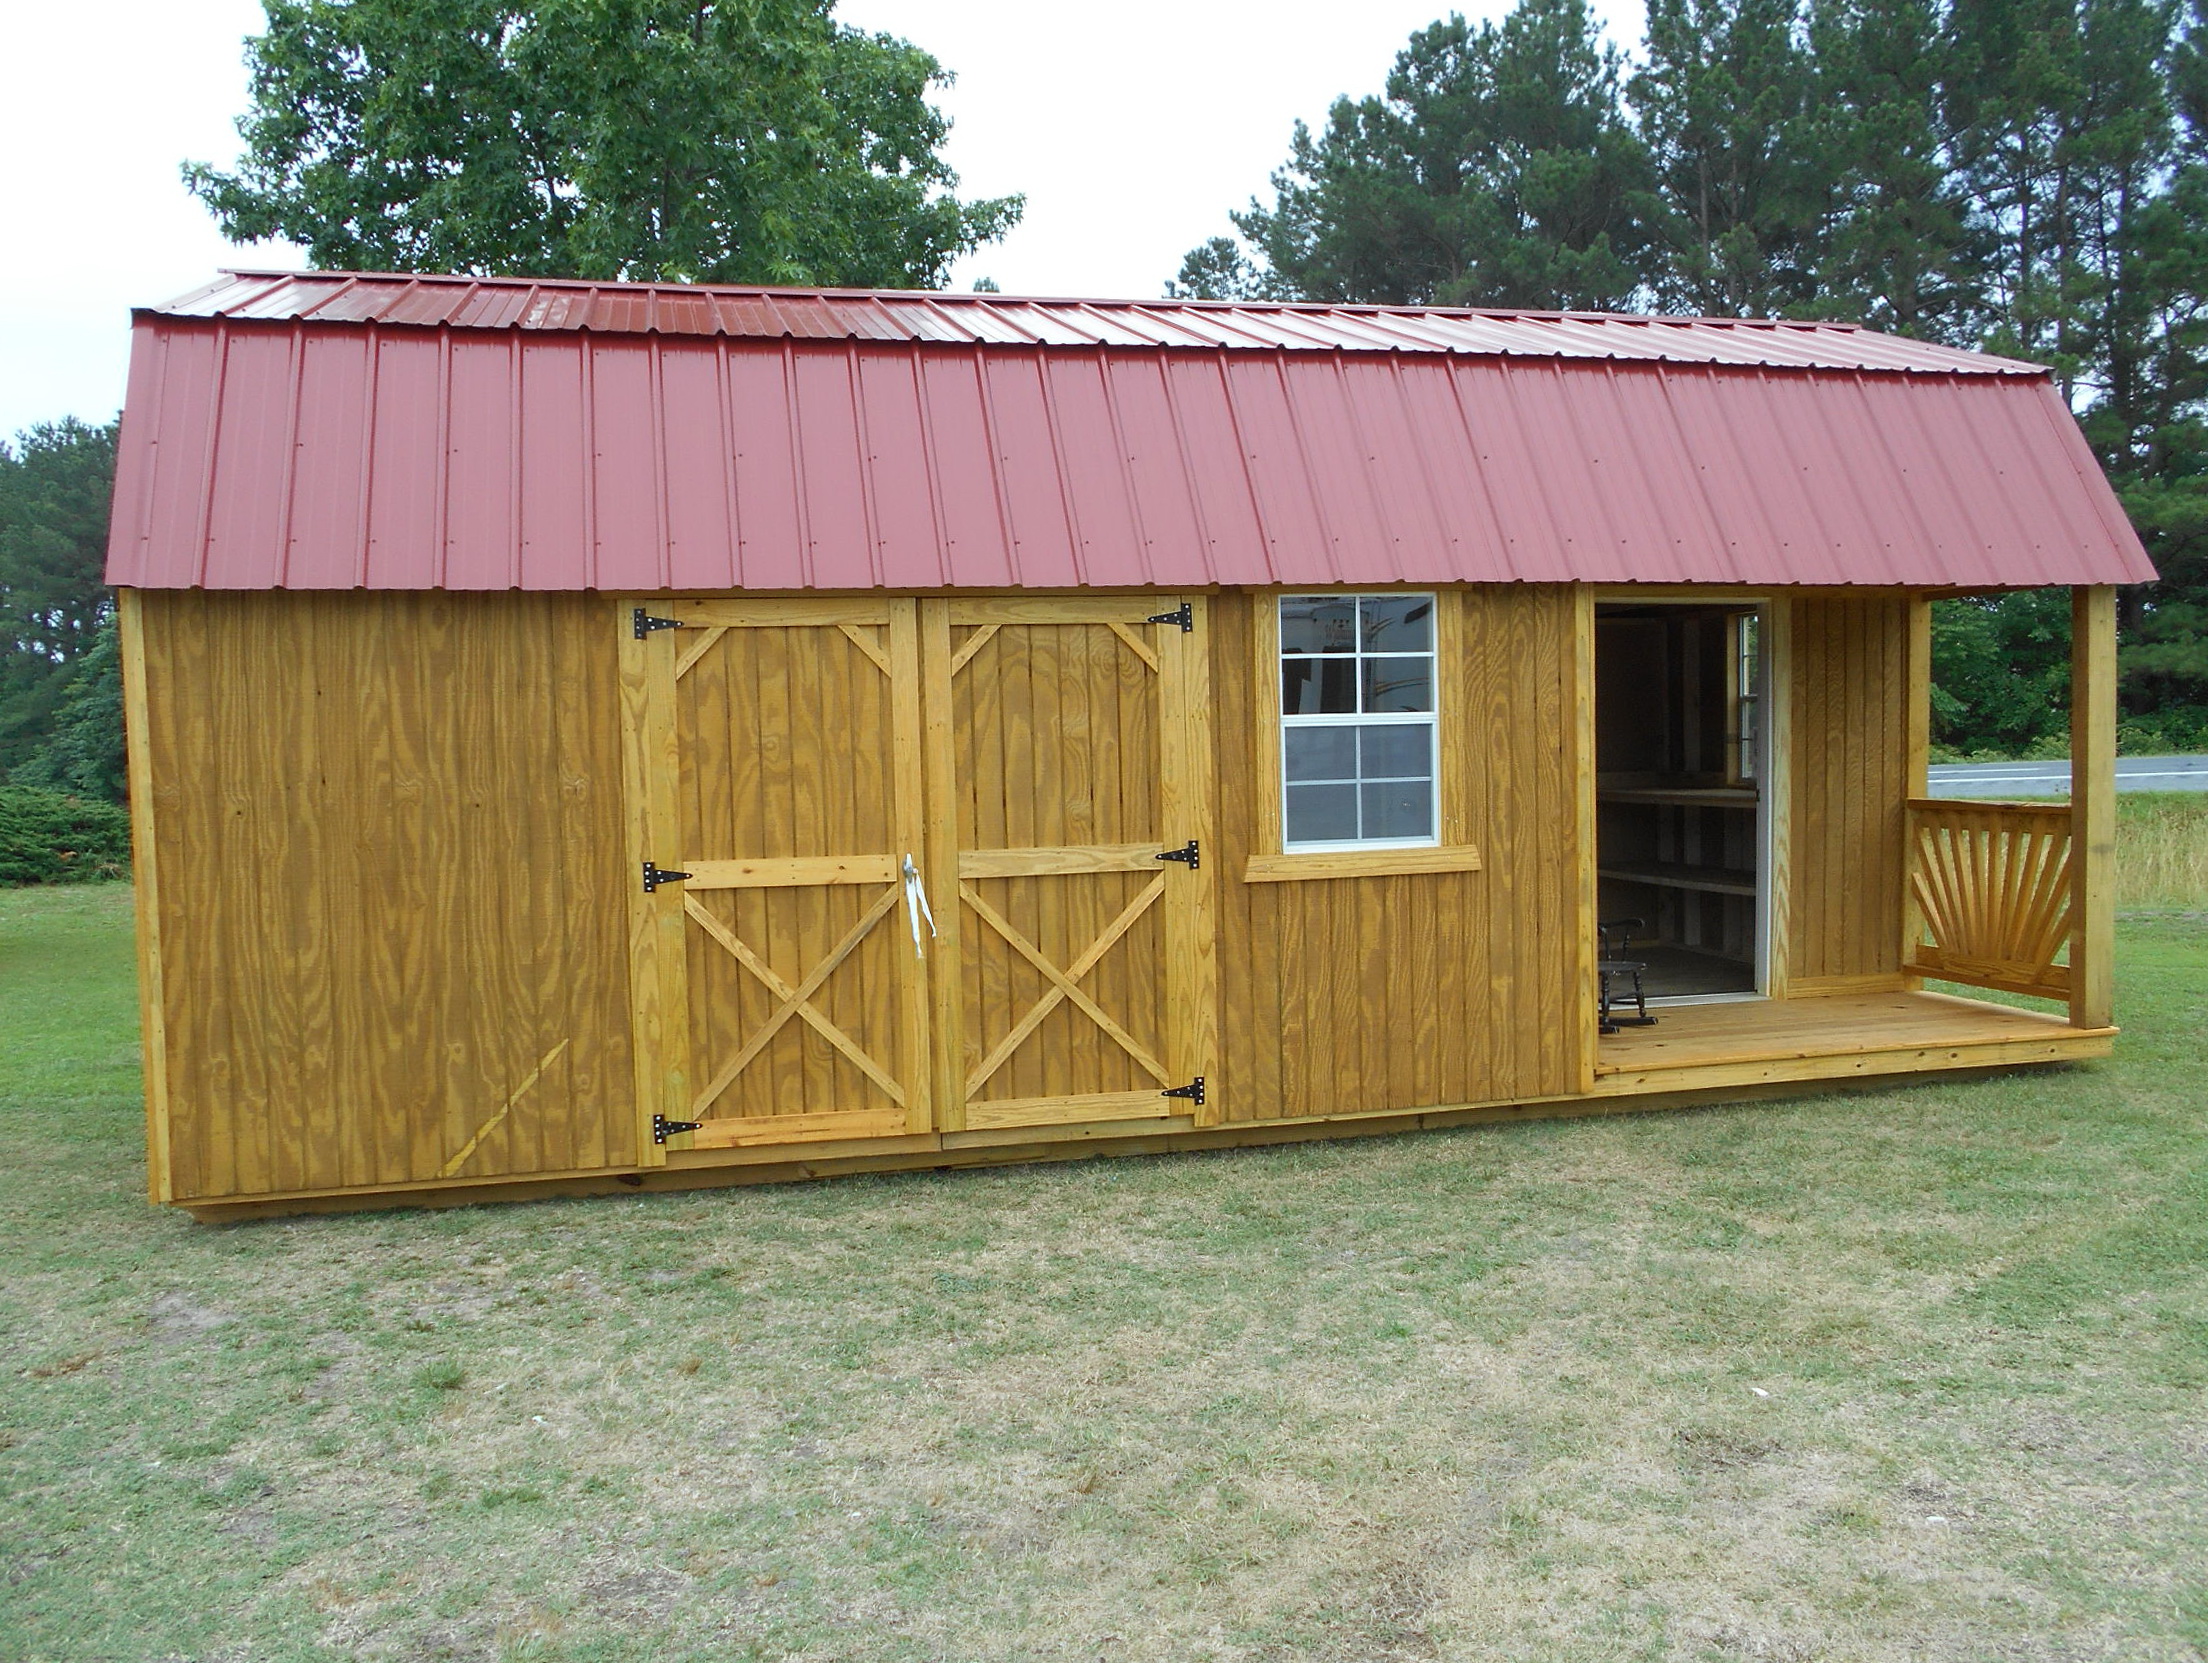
[(1994, 892)]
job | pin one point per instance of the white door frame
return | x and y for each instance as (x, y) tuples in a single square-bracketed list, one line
[(1766, 839)]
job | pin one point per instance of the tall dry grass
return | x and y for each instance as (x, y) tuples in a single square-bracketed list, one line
[(2162, 849)]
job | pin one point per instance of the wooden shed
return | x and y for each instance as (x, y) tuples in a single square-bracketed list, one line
[(599, 736)]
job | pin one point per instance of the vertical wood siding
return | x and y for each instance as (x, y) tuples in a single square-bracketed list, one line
[(393, 917), (1057, 733), (788, 742), (395, 881), (1359, 995), (1848, 781)]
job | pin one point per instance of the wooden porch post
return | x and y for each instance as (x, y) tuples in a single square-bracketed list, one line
[(1918, 769), (1778, 788), (2092, 805)]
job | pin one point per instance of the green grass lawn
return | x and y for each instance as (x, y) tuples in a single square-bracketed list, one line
[(1909, 1375)]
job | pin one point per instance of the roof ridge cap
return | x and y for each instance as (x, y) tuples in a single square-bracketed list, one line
[(956, 297)]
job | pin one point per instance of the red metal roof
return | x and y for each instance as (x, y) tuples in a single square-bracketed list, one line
[(1001, 320), (410, 433)]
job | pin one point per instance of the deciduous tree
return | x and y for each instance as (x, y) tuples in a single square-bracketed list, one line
[(702, 140)]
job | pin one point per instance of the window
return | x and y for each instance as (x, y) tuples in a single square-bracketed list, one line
[(1357, 743), (1747, 697)]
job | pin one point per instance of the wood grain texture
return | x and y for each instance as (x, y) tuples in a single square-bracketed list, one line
[(389, 875), (1917, 769), (1061, 1110), (651, 766), (1779, 774), (1580, 744), (1753, 1042), (389, 839), (145, 865), (1188, 790), (1848, 752), (2093, 805), (786, 787), (1797, 1055), (790, 873), (1065, 747), (1031, 863), (1993, 886), (1390, 991), (1358, 863), (939, 667), (902, 664)]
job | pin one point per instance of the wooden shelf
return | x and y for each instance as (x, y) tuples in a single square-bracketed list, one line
[(1684, 796), (1715, 880)]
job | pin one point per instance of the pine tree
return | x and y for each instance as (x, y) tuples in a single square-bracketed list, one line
[(55, 482), (1898, 249), (1497, 169), (1724, 104)]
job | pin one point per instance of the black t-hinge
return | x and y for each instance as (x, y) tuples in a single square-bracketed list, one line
[(1184, 615), (1193, 1091), (663, 1128), (646, 623), (654, 876), (1186, 855)]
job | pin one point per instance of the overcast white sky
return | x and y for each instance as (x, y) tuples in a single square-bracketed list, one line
[(1132, 128)]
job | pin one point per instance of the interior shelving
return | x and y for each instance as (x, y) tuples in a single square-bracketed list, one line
[(1678, 821)]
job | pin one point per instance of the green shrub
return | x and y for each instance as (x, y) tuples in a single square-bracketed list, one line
[(51, 837), (2173, 730)]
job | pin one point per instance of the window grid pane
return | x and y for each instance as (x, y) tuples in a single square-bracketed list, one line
[(1358, 741)]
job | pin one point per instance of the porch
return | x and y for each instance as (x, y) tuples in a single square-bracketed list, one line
[(1834, 1037)]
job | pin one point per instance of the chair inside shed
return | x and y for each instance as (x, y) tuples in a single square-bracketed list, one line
[(1679, 827)]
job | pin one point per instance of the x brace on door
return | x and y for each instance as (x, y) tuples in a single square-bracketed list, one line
[(796, 1001), (1064, 983)]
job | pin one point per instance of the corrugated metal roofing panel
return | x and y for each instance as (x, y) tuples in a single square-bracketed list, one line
[(1000, 320), (324, 454)]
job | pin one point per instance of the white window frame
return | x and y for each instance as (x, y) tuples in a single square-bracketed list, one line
[(1430, 719)]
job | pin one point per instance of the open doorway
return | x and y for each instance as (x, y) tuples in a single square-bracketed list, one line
[(1681, 814)]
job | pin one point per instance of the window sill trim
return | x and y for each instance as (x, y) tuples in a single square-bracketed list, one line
[(1361, 863)]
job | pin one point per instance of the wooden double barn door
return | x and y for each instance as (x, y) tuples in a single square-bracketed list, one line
[(899, 865)]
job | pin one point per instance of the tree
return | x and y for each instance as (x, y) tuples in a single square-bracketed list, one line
[(2064, 137), (1725, 105), (1899, 250), (1221, 269), (2001, 670), (2087, 164), (55, 482), (692, 140), (84, 753), (1496, 169), (2029, 176)]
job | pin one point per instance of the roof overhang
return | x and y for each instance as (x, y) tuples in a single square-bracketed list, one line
[(335, 431)]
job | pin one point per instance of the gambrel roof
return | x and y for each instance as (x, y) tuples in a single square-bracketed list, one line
[(336, 430)]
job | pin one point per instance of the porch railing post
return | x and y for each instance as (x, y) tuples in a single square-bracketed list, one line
[(2092, 805)]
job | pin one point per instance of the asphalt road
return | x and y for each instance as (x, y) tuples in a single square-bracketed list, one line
[(2052, 779)]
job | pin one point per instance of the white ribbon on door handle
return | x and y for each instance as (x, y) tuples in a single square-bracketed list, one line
[(916, 905)]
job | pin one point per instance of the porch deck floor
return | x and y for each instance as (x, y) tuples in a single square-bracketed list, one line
[(1836, 1036)]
